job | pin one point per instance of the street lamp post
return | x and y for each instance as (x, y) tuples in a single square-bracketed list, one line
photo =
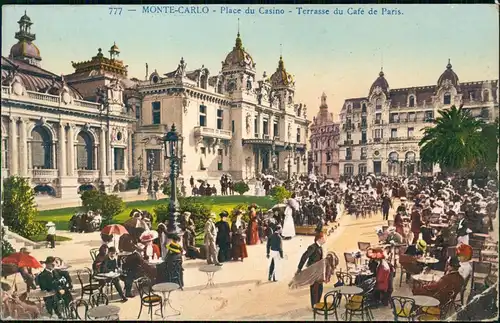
[(290, 149), (151, 163), (171, 144), (141, 167)]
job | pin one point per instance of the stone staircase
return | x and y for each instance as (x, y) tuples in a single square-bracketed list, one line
[(19, 242)]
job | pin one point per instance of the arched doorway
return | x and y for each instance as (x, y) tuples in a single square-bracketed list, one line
[(410, 162), (44, 190), (41, 148), (84, 151), (393, 163)]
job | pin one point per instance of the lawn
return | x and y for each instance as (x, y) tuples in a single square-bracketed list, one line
[(43, 237), (218, 204)]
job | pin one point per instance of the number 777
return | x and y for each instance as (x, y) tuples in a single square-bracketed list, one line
[(115, 11)]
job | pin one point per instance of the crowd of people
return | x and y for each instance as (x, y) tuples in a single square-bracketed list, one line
[(433, 214)]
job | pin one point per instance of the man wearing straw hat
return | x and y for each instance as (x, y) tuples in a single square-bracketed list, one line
[(51, 234), (210, 241)]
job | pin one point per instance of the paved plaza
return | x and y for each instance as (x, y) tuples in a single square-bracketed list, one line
[(242, 290)]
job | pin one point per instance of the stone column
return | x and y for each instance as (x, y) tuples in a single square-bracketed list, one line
[(24, 148), (102, 154), (62, 150), (130, 154), (126, 152), (71, 151), (259, 125), (13, 151)]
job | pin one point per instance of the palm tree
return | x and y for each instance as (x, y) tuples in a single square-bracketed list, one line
[(455, 142)]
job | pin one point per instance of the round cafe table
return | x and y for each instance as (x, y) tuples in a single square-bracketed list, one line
[(348, 290), (421, 301), (103, 311), (210, 270), (428, 260), (166, 289)]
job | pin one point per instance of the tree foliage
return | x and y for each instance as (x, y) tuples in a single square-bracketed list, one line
[(133, 183), (241, 187), (19, 207), (455, 142), (199, 212), (280, 193), (108, 205), (6, 247)]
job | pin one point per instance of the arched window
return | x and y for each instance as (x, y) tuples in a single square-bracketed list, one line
[(411, 101), (363, 108), (447, 98), (393, 157), (410, 156), (41, 148), (378, 104), (84, 151), (486, 95), (5, 149)]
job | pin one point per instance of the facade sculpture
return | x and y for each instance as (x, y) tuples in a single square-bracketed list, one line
[(380, 133)]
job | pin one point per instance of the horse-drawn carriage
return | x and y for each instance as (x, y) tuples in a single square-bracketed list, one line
[(85, 222)]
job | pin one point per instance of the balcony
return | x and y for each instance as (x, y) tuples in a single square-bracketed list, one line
[(44, 175), (214, 133), (363, 157), (377, 139), (87, 176), (348, 142), (348, 157), (362, 142), (394, 121), (378, 121), (409, 138)]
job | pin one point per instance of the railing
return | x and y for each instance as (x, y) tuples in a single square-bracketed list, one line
[(348, 142), (85, 173), (362, 142), (363, 157), (402, 138), (53, 98), (218, 133), (394, 121), (378, 121), (377, 139), (44, 173)]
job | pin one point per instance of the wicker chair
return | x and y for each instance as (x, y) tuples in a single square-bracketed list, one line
[(98, 299), (480, 270), (345, 278), (402, 307), (148, 298), (89, 288), (331, 302), (350, 261), (93, 253), (476, 243)]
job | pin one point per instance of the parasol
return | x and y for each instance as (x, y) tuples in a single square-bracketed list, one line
[(136, 223), (279, 206), (330, 181), (312, 177), (114, 229), (464, 252), (22, 260)]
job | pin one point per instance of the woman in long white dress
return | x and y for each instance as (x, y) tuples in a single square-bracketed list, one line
[(288, 223)]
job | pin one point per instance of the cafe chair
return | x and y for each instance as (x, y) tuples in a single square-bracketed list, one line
[(480, 270), (350, 261), (90, 288), (476, 243), (363, 246), (74, 312), (98, 299), (356, 307), (408, 264), (451, 251), (402, 307), (344, 278), (93, 253), (476, 255), (331, 302), (148, 298), (438, 313)]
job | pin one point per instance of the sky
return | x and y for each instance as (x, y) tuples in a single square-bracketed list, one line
[(340, 55)]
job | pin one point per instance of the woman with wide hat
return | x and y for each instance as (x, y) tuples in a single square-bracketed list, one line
[(238, 229)]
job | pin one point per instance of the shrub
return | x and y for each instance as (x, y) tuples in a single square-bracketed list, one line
[(199, 212), (243, 207), (133, 183), (108, 205), (241, 187), (7, 248), (19, 210), (280, 193)]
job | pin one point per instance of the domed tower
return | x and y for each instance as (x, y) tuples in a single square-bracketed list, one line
[(25, 50), (380, 85), (448, 87), (282, 86), (238, 69), (324, 116)]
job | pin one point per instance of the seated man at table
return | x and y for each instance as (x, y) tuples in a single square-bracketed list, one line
[(110, 264), (54, 280), (450, 284), (415, 250)]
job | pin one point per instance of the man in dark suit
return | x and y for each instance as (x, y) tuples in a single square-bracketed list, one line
[(313, 254), (463, 229), (110, 264), (274, 250), (54, 280), (223, 239)]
